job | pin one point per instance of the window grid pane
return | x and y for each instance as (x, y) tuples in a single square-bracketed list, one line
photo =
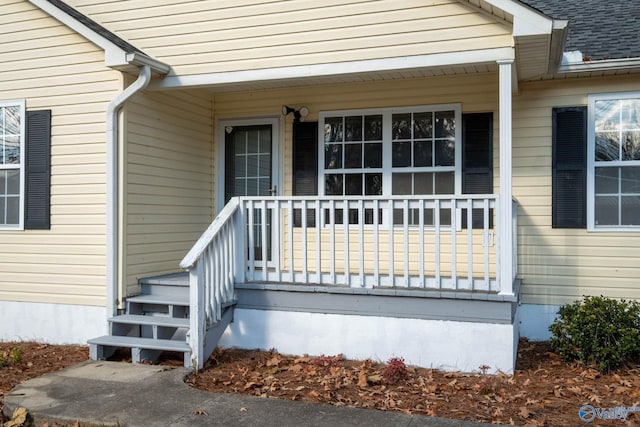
[(616, 185), (423, 156)]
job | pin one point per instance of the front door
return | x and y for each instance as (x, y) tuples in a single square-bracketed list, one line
[(250, 155)]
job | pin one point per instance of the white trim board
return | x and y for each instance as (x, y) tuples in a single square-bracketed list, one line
[(333, 69), (50, 323)]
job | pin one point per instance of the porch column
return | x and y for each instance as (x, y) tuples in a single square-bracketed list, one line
[(505, 208)]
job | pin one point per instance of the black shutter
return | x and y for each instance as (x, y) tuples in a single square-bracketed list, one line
[(569, 168), (477, 161), (305, 166), (38, 170)]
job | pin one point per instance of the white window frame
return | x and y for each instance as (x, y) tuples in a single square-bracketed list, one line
[(387, 141), (20, 166), (591, 162)]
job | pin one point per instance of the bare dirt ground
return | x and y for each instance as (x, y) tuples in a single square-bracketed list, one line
[(545, 391)]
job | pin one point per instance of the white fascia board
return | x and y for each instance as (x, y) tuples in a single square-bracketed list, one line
[(338, 68), (526, 21), (113, 55)]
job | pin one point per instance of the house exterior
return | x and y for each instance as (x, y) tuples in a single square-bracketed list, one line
[(429, 179)]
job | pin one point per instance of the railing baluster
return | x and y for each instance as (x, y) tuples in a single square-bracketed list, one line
[(276, 218), (345, 245), (485, 218), (332, 238), (318, 243), (391, 255), (251, 242), (303, 221), (405, 233), (265, 242), (436, 223), (470, 243), (454, 249), (361, 237), (376, 243), (292, 274), (421, 242)]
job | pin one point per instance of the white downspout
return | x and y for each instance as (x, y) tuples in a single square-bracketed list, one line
[(113, 110)]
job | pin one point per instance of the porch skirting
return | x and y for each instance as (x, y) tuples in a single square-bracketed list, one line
[(50, 323), (442, 344)]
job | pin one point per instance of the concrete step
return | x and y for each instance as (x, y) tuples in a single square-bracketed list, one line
[(141, 348)]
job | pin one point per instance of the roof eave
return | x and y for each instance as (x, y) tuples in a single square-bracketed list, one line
[(114, 56)]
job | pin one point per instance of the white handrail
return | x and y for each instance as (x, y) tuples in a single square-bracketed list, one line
[(225, 215)]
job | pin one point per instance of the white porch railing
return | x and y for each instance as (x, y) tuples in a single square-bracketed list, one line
[(213, 264), (410, 241), (432, 242)]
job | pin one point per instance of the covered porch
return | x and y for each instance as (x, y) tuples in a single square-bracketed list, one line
[(433, 262)]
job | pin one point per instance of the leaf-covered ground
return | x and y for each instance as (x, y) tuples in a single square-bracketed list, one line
[(21, 361), (545, 391)]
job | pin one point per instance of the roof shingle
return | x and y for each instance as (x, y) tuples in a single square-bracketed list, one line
[(599, 29)]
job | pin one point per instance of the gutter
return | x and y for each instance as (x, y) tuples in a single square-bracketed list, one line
[(598, 65), (113, 240)]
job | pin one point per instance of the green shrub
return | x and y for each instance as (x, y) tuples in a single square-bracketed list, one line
[(598, 330)]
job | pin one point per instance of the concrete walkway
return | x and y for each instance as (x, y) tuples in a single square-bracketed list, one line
[(114, 393)]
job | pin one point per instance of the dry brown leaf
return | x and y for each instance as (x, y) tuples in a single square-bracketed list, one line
[(200, 411), (362, 379), (524, 412)]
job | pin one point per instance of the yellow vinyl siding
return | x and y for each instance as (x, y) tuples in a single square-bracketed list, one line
[(560, 265), (217, 36), (169, 178), (51, 67)]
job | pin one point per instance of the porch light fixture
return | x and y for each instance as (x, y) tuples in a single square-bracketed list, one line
[(298, 115)]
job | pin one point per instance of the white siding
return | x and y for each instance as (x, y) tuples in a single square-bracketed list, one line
[(50, 67), (210, 36)]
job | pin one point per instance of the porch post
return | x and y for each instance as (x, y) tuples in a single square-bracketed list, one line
[(505, 208)]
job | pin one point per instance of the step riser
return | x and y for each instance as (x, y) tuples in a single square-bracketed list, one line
[(148, 331), (165, 290), (157, 309)]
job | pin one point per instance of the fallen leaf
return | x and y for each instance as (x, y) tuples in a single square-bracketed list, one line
[(243, 409), (374, 379), (524, 412), (362, 379), (200, 411), (19, 418)]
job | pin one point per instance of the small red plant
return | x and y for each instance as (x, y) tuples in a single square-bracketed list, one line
[(327, 361), (395, 371)]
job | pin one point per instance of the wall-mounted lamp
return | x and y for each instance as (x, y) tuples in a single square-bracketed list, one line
[(298, 115)]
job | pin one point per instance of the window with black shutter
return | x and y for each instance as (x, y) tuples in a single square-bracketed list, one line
[(569, 167)]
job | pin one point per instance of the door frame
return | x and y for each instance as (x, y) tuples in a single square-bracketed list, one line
[(219, 174)]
